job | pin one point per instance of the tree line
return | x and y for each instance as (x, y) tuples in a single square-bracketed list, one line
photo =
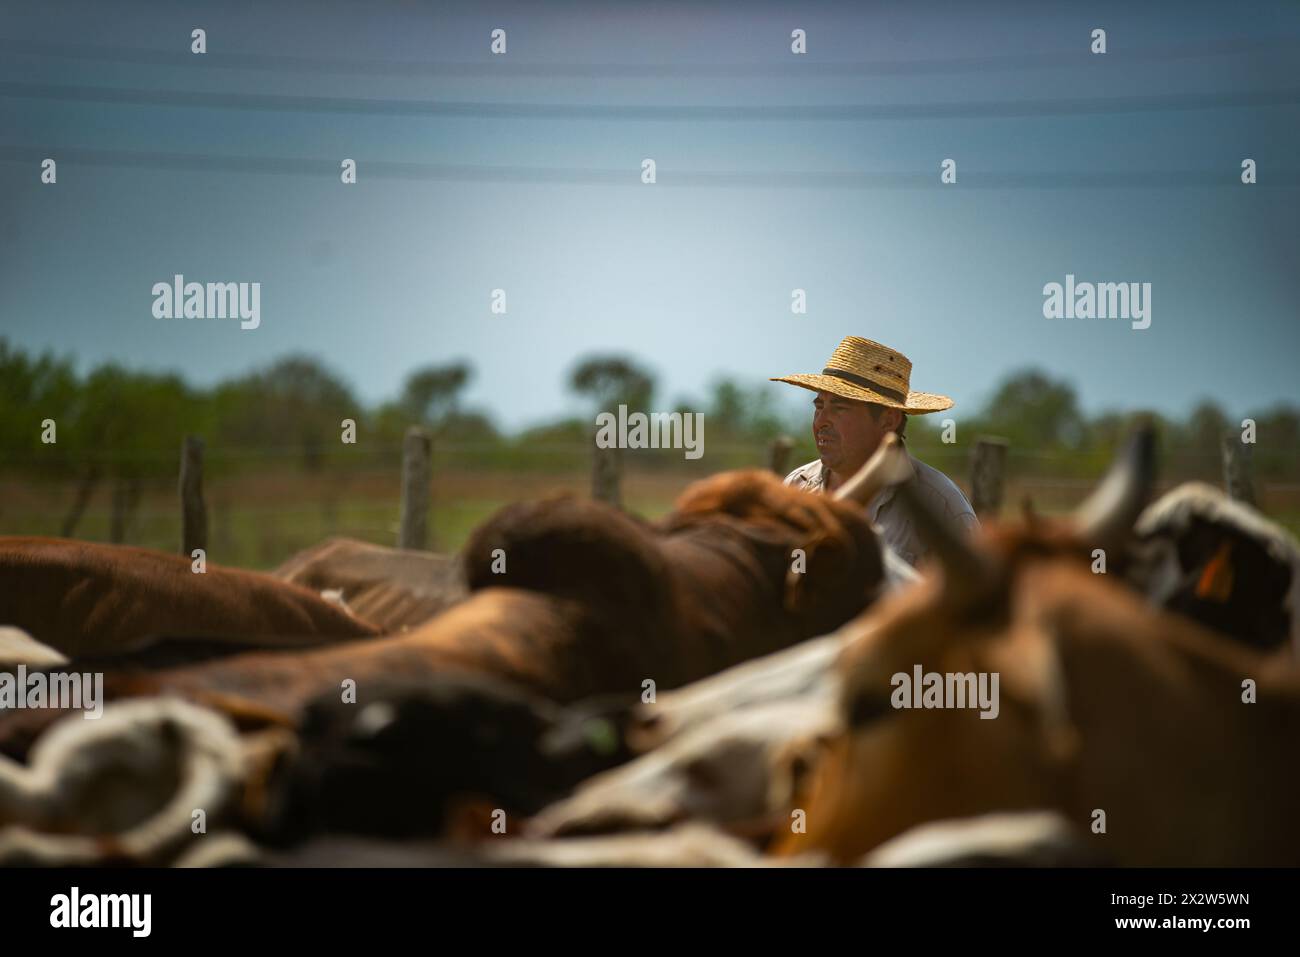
[(124, 427)]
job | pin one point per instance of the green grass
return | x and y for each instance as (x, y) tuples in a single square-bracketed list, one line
[(257, 524)]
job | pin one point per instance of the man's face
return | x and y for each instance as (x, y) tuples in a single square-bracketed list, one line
[(846, 432)]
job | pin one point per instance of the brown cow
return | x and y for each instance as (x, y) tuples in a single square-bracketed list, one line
[(535, 641), (91, 600), (608, 602), (744, 566), (1107, 707), (531, 640), (706, 589)]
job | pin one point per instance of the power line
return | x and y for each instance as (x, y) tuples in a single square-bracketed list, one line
[(790, 67), (268, 102), (630, 177)]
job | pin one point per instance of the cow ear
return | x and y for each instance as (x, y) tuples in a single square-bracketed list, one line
[(829, 561), (1032, 671), (970, 575)]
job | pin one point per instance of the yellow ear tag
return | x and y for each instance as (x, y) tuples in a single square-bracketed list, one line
[(1216, 579)]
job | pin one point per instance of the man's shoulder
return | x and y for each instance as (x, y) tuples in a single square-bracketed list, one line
[(943, 492), (806, 476)]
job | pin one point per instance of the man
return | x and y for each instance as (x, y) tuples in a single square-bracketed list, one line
[(863, 394)]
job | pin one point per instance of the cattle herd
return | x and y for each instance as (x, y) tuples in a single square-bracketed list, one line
[(579, 687)]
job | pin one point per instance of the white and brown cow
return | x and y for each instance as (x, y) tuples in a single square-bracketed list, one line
[(1222, 563), (1161, 742)]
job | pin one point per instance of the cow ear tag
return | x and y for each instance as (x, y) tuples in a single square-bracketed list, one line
[(601, 736)]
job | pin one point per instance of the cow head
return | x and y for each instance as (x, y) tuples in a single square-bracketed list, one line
[(434, 757), (743, 566), (568, 547), (1221, 563), (979, 612), (820, 552), (730, 771)]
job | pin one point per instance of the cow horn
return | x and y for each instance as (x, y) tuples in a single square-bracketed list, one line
[(1107, 515), (887, 466), (965, 569)]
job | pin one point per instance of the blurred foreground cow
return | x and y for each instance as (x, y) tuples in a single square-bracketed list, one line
[(727, 763), (123, 789), (729, 750), (593, 601), (1110, 713), (433, 757)]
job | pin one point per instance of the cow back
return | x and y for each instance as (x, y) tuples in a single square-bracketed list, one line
[(89, 599)]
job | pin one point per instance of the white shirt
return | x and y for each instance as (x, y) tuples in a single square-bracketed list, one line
[(895, 525)]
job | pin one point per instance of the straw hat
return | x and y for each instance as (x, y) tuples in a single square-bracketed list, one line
[(869, 372)]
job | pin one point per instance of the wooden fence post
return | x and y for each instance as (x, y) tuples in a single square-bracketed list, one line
[(778, 455), (607, 475), (85, 489), (117, 513), (986, 480), (1239, 468), (416, 472), (194, 511)]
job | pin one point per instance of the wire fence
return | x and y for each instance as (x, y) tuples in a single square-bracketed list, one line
[(1062, 58), (264, 505)]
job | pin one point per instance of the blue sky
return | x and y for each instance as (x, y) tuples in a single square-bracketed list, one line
[(1118, 167)]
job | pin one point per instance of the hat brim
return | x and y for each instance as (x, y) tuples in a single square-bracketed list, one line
[(918, 403)]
